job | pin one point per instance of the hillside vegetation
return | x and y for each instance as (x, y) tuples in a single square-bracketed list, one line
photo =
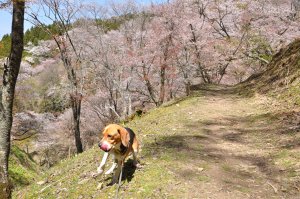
[(23, 170), (226, 145), (281, 77), (226, 141)]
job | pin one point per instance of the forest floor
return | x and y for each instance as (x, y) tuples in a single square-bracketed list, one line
[(214, 144)]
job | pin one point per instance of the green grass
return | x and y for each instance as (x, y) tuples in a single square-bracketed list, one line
[(22, 169), (227, 168), (286, 158), (203, 178), (243, 189), (208, 141), (74, 175)]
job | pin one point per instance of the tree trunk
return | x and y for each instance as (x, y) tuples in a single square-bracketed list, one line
[(76, 108), (75, 96), (129, 105), (203, 74), (149, 86), (188, 88), (163, 67), (10, 75), (162, 85)]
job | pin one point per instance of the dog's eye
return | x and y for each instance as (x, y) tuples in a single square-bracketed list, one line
[(109, 136)]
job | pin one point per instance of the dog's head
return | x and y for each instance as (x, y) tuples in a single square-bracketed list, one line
[(113, 135)]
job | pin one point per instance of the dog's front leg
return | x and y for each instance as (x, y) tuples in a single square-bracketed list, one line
[(100, 169), (117, 173), (112, 168)]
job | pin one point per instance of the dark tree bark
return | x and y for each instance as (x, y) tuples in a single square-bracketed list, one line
[(76, 108), (162, 89), (149, 85), (188, 88), (10, 75)]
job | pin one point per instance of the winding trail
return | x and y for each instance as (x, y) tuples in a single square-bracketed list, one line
[(228, 146)]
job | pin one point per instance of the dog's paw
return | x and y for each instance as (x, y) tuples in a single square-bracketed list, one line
[(138, 165), (99, 170), (114, 181), (108, 172), (95, 175), (111, 184)]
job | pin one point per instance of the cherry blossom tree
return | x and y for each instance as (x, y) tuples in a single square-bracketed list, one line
[(155, 53)]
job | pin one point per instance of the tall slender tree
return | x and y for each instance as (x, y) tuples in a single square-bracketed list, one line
[(62, 14), (10, 75)]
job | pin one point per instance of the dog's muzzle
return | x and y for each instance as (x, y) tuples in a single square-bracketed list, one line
[(104, 146)]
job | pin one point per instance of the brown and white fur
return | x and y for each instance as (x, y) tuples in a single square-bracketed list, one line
[(120, 142)]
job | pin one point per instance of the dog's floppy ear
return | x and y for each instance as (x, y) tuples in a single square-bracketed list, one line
[(124, 136)]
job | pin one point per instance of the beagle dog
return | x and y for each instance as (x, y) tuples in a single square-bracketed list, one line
[(120, 142)]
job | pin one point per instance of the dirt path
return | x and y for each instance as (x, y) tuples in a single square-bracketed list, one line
[(222, 145)]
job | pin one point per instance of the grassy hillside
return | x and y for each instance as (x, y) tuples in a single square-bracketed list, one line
[(214, 144), (281, 79), (22, 169)]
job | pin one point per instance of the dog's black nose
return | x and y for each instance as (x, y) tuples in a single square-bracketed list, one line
[(99, 145)]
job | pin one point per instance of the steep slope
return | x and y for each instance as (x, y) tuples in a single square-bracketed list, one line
[(215, 144), (22, 169), (281, 78)]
